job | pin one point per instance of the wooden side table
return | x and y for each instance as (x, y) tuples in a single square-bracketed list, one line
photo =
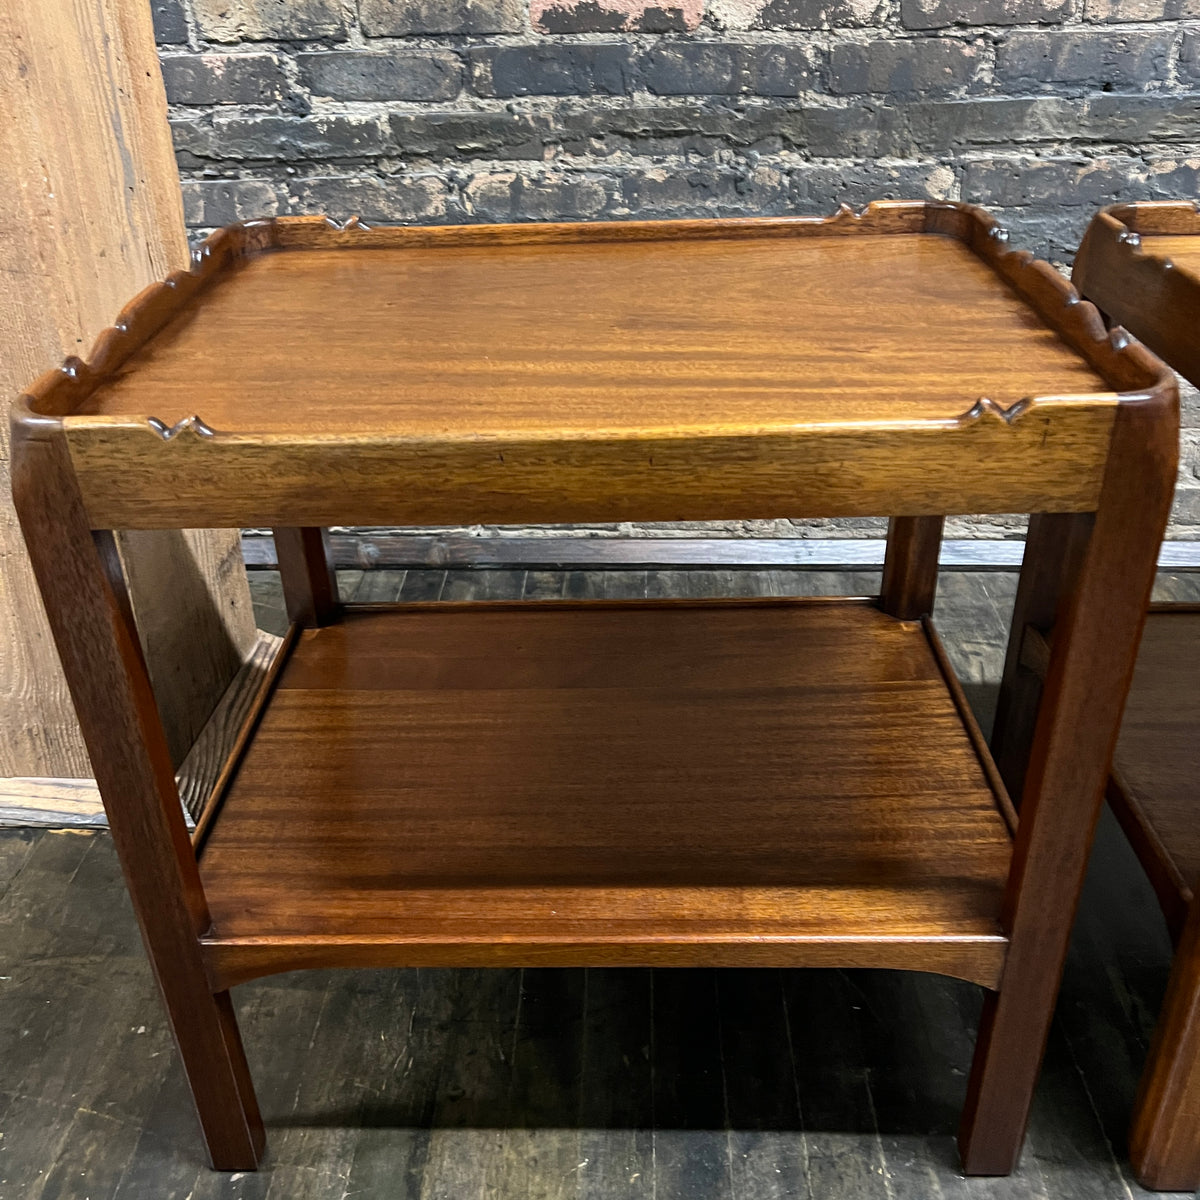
[(724, 783), (1140, 263)]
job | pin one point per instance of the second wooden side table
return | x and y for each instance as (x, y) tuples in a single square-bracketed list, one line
[(770, 783), (1140, 263)]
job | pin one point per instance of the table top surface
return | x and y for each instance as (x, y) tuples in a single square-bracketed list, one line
[(606, 336), (1183, 249)]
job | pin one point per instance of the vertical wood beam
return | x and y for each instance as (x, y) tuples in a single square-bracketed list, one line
[(1164, 1145), (91, 212), (1092, 658), (306, 570), (1055, 547), (910, 566), (103, 664)]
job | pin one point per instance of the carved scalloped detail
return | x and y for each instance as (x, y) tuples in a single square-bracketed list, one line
[(189, 425), (62, 389), (1115, 355), (986, 409), (60, 392)]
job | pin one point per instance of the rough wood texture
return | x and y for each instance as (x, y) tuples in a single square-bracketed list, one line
[(692, 785), (594, 414), (91, 213)]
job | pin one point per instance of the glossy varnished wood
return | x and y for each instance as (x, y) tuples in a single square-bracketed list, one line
[(856, 835), (1140, 263), (649, 371), (310, 591), (1156, 769), (103, 662), (667, 783)]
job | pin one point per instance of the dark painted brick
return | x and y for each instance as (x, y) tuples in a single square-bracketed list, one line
[(820, 189), (1189, 57), (508, 196), (603, 16), (694, 69), (263, 20), (1141, 120), (170, 24), (243, 138), (936, 14), (1048, 181), (398, 75), (728, 69), (785, 71), (398, 18), (222, 78), (866, 129), (387, 199), (457, 135), (1168, 180), (707, 190), (902, 67), (816, 14), (551, 69), (211, 202), (941, 127), (1140, 10), (676, 130), (1117, 58)]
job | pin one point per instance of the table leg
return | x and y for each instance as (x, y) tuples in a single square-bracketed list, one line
[(104, 668), (306, 569), (910, 567), (1164, 1142)]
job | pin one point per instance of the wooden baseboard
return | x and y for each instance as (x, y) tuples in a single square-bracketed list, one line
[(365, 550), (75, 803)]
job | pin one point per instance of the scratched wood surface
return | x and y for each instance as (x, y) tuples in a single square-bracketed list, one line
[(91, 213), (597, 1084)]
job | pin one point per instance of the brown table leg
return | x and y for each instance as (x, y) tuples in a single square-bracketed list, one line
[(103, 664), (310, 592), (1164, 1142)]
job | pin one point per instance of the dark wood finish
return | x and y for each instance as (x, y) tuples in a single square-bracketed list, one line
[(971, 725), (1054, 551), (910, 566), (257, 705), (1141, 264), (310, 589), (1007, 400), (980, 383), (552, 754), (128, 750), (1163, 1144), (1156, 769), (1092, 658)]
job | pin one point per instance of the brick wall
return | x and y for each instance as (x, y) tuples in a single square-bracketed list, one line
[(472, 110)]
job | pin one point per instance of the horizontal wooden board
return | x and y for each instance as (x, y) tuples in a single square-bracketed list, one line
[(1048, 457), (674, 783)]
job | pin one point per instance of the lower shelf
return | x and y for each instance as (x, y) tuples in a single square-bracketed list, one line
[(1155, 791), (720, 783)]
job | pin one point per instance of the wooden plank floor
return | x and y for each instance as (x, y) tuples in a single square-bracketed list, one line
[(597, 1084)]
